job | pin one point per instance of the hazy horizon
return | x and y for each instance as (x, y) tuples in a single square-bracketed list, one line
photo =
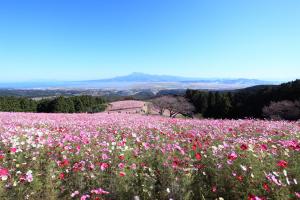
[(130, 73), (88, 40)]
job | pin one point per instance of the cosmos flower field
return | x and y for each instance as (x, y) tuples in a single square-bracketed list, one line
[(127, 156)]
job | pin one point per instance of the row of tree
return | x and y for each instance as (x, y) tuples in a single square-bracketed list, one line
[(211, 104), (76, 104), (15, 104), (251, 102)]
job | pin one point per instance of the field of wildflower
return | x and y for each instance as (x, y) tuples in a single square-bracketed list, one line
[(126, 104), (127, 156)]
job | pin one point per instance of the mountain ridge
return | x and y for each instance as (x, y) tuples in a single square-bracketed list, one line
[(143, 77), (137, 80)]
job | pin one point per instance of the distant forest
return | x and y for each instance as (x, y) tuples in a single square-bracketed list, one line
[(264, 101), (249, 102), (75, 104)]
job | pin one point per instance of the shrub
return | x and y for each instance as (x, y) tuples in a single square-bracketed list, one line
[(287, 110)]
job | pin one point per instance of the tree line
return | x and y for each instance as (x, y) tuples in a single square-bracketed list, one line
[(253, 102), (75, 104)]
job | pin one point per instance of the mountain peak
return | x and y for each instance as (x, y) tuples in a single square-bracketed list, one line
[(137, 73)]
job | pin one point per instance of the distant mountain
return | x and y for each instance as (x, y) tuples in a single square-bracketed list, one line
[(144, 81), (142, 77)]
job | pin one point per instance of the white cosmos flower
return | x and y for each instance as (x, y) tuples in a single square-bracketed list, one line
[(287, 181), (285, 172), (295, 181), (243, 167)]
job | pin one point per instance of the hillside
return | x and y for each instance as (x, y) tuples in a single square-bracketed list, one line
[(242, 103)]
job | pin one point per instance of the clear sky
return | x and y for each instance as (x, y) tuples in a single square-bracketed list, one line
[(86, 39)]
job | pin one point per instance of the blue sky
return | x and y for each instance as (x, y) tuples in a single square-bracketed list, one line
[(86, 39)]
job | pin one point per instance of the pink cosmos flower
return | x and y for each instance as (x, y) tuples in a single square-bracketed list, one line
[(264, 147), (91, 166), (232, 156), (244, 147), (103, 166), (214, 189), (194, 147), (74, 194), (266, 187), (64, 163), (175, 164), (122, 174), (99, 191), (253, 197), (121, 157), (104, 156), (133, 166), (198, 156), (273, 178), (13, 150), (84, 197), (78, 148), (62, 176), (282, 163), (121, 165), (4, 174), (239, 178), (146, 145), (29, 177)]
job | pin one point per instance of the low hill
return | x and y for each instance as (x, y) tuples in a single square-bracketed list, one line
[(242, 103)]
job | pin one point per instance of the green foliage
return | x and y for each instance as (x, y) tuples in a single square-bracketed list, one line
[(245, 103), (14, 104), (76, 104)]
